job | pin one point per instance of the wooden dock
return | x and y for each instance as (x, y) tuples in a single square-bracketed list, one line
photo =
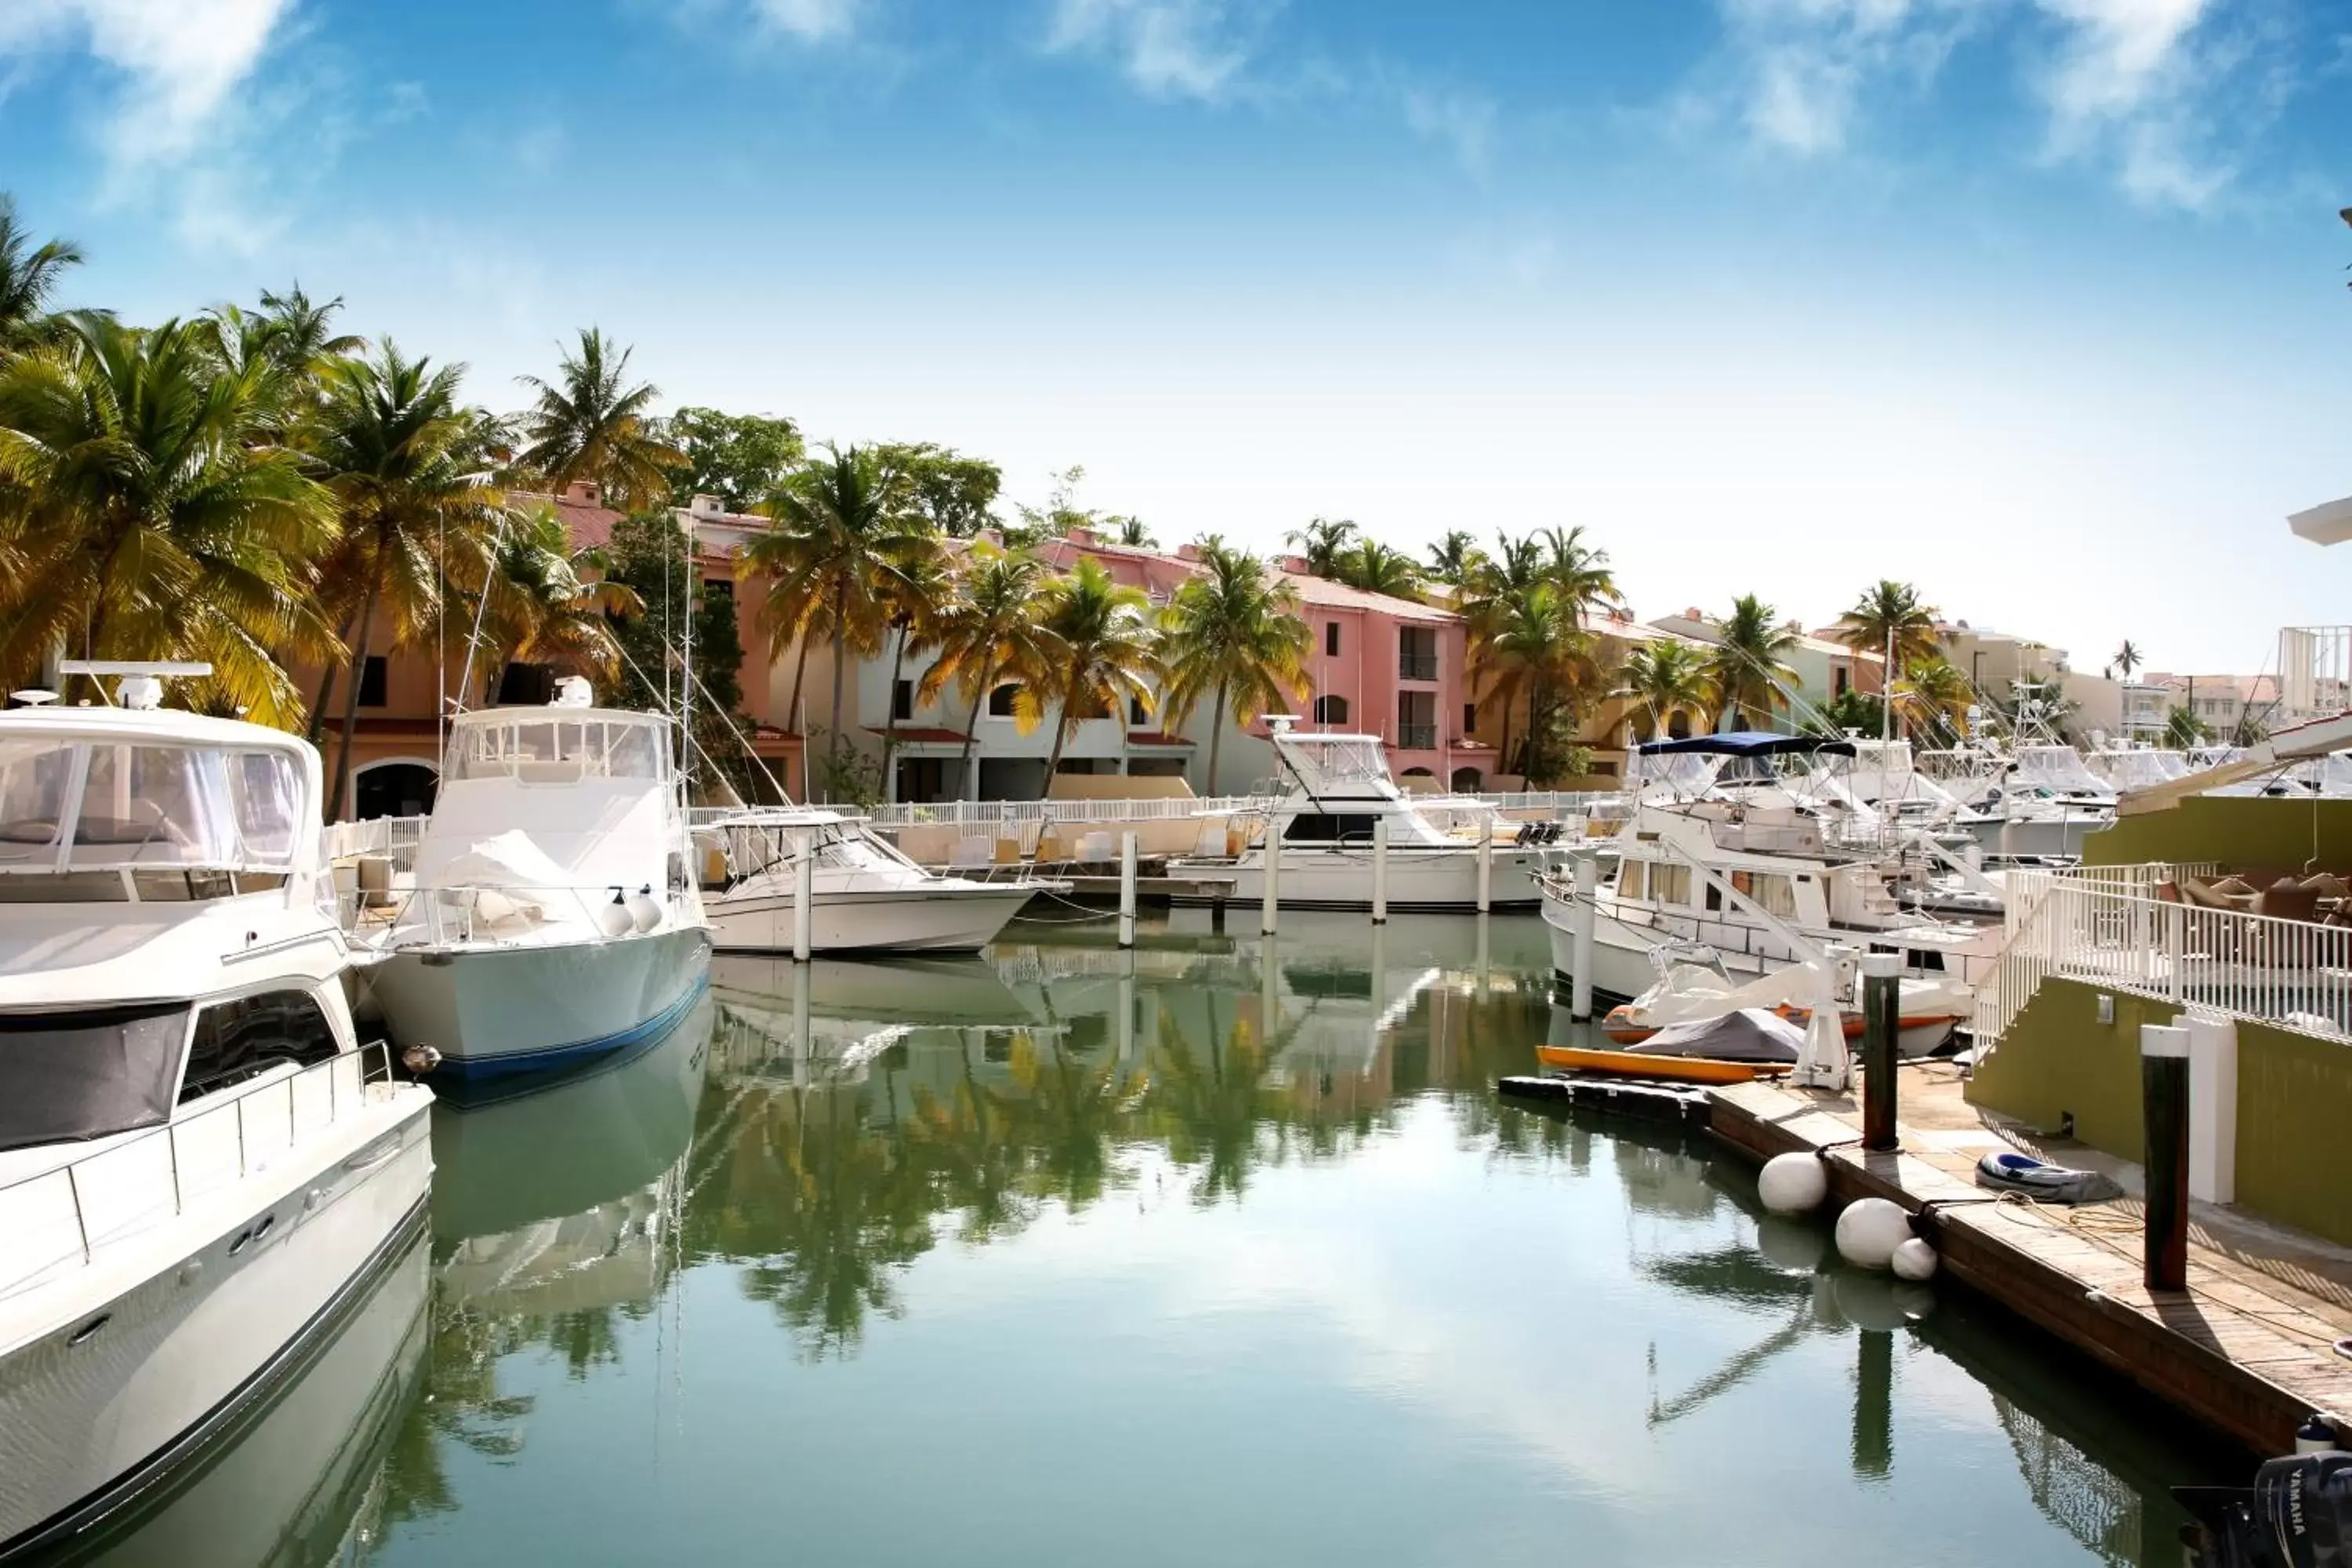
[(2249, 1348)]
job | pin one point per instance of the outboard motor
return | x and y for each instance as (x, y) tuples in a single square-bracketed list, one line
[(1519, 839), (2299, 1514)]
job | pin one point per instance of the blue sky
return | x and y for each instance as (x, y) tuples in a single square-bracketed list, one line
[(2039, 303)]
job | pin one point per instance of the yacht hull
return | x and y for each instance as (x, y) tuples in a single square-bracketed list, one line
[(494, 1010), (186, 1327), (2036, 837), (1622, 969), (1441, 880), (914, 920)]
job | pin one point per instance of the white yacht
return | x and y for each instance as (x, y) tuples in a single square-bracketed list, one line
[(552, 917), (201, 1173), (1340, 790), (866, 896)]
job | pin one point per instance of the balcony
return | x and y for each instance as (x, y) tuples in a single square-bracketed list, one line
[(1416, 667), (1417, 737)]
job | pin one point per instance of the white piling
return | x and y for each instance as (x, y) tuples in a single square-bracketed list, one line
[(1380, 871), (1273, 896), (1486, 870), (803, 897), (1581, 917), (1127, 889)]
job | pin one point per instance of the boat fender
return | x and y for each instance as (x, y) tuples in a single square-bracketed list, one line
[(614, 919), (1793, 1184), (2321, 1433), (1869, 1230), (645, 912), (1915, 1261), (420, 1059)]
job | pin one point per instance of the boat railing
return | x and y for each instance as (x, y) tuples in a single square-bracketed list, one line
[(2118, 934), (1528, 804), (463, 914), (64, 1217), (394, 837)]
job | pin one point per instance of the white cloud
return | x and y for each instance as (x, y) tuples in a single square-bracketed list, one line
[(2128, 84), (1800, 69), (810, 21), (182, 59), (1169, 49), (1462, 121)]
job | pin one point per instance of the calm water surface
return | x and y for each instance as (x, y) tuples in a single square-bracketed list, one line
[(1036, 1260)]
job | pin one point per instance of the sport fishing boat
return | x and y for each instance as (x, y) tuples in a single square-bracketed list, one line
[(866, 896), (552, 917), (1326, 828), (1759, 888), (200, 1172)]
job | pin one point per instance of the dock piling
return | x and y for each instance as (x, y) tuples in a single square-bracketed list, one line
[(1127, 889), (1380, 871), (1271, 900), (2164, 1090), (804, 897), (1486, 870), (1882, 1007), (1582, 914)]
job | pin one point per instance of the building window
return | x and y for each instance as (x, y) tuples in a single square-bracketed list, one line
[(1000, 702), (1330, 709), (722, 587), (1837, 681), (902, 700), (1136, 711), (1417, 721), (241, 1039), (372, 681), (1331, 638), (1469, 718), (1417, 653)]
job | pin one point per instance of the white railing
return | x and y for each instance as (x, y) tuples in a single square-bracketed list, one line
[(2116, 934), (62, 1217), (986, 812), (469, 913), (393, 837)]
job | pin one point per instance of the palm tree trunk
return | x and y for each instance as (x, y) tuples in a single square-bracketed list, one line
[(968, 785), (890, 724), (326, 687), (1061, 739), (352, 697), (840, 665), (1504, 755), (1216, 733)]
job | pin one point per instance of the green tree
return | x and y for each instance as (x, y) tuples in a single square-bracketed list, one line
[(300, 334), (1578, 570), (953, 493), (1131, 532), (1748, 666), (913, 598), (1234, 635), (1323, 541), (2183, 729), (386, 439), (988, 633), (590, 424), (1100, 650), (1936, 693), (1453, 559), (1850, 712), (1538, 651), (1374, 568), (742, 459), (1889, 609), (1667, 675), (157, 519), (544, 609), (1060, 513), (29, 275)]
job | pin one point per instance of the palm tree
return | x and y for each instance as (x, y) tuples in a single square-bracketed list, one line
[(1578, 570), (1536, 649), (913, 598), (2183, 729), (1485, 602), (1099, 643), (29, 274), (987, 634), (1747, 668), (156, 519), (1233, 633), (1133, 532), (1937, 690), (541, 607), (1453, 558), (300, 334), (389, 441), (1891, 609), (1375, 568), (590, 424), (838, 552), (1322, 542), (1666, 676), (2128, 658)]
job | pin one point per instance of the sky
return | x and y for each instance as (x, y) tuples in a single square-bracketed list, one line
[(2038, 304)]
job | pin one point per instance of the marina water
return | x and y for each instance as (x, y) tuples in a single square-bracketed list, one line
[(1066, 1255)]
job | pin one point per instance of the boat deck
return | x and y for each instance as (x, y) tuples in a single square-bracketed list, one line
[(2249, 1348)]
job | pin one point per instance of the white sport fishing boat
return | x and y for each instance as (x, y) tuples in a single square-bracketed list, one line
[(1339, 792), (200, 1174), (866, 896), (552, 919)]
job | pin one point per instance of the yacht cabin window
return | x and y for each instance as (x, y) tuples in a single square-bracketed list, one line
[(1629, 880), (553, 750), (66, 1076), (1670, 883), (1317, 828), (246, 1037)]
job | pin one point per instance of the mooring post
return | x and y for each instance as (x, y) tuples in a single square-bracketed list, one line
[(1127, 889), (1379, 870), (1486, 870), (803, 896), (1271, 899), (1882, 1018), (2164, 1090), (1217, 913), (1583, 911)]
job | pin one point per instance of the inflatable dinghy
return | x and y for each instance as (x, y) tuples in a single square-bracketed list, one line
[(2010, 1172)]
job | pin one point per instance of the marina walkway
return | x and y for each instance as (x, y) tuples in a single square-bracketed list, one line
[(2249, 1347)]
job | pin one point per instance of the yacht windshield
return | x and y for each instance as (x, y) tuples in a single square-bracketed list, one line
[(554, 749), (143, 805), (65, 1076)]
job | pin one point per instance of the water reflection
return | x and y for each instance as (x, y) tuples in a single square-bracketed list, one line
[(840, 1165)]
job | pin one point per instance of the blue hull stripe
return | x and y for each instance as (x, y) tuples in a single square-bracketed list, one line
[(547, 1057)]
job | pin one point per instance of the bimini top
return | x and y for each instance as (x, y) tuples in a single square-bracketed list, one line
[(1749, 743)]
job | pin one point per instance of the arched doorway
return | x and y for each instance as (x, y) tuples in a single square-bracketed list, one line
[(397, 786), (1419, 781), (1468, 780)]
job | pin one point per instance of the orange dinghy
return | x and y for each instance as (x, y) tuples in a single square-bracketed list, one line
[(1640, 1064)]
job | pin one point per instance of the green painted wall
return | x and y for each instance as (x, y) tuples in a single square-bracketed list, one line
[(2232, 830), (2294, 1097)]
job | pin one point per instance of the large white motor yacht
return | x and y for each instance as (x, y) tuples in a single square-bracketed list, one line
[(552, 917), (1340, 791), (200, 1174), (866, 896)]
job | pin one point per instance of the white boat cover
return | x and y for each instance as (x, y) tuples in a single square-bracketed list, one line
[(1742, 1034)]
